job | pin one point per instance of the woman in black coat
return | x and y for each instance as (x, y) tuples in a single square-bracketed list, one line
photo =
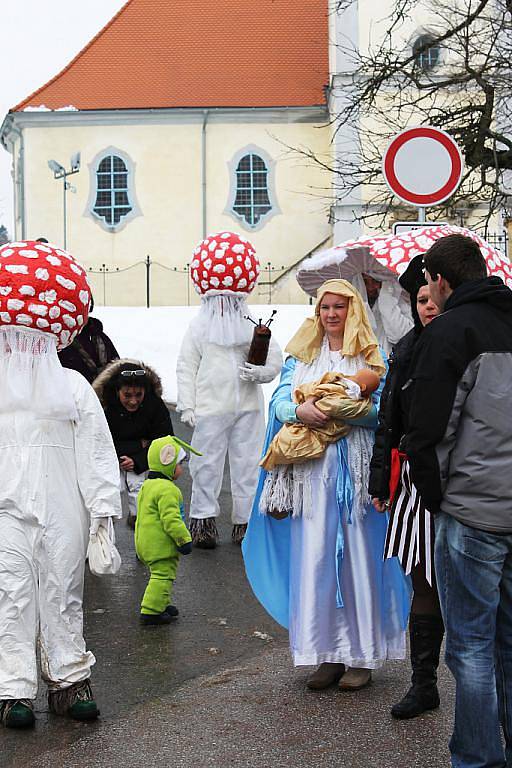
[(426, 628), (131, 395)]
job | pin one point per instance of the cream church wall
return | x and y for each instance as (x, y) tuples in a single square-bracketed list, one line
[(167, 164)]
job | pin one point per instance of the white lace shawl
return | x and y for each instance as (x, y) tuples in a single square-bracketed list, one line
[(31, 376), (222, 320)]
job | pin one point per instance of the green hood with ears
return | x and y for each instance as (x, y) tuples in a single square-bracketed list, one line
[(165, 453)]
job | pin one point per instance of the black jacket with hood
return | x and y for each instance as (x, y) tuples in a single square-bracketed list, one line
[(393, 414), (149, 421), (90, 351), (459, 439)]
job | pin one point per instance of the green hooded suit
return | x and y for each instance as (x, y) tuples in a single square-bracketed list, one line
[(160, 528)]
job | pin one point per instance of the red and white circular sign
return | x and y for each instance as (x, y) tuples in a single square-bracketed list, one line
[(423, 166)]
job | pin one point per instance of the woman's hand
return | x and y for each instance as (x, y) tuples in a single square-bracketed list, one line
[(380, 505), (309, 414), (126, 463)]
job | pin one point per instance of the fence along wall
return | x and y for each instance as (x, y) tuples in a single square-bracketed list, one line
[(152, 284)]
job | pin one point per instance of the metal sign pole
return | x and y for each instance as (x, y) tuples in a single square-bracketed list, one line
[(422, 215)]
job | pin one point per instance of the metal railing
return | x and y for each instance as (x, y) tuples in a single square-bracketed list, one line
[(268, 276)]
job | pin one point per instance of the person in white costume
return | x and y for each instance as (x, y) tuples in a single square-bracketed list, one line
[(387, 305), (219, 393), (60, 481)]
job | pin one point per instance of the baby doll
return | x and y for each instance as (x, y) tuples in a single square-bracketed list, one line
[(161, 535), (339, 397)]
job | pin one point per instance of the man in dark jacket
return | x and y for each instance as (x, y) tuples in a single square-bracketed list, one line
[(459, 444), (90, 351)]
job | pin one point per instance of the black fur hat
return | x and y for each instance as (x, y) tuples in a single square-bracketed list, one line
[(414, 277), (411, 281)]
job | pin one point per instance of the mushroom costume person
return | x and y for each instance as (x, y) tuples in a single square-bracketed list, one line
[(219, 393), (60, 480), (387, 306)]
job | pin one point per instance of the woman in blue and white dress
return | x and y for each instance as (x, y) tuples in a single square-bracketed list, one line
[(319, 571)]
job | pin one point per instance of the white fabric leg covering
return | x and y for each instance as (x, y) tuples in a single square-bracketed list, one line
[(211, 437), (245, 448), (18, 607), (64, 658)]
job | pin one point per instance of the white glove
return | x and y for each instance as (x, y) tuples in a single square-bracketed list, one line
[(250, 372), (96, 522), (188, 417)]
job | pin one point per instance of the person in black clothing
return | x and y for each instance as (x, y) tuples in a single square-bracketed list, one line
[(426, 627), (90, 351), (131, 394), (459, 443)]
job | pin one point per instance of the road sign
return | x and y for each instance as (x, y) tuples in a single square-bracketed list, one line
[(405, 226), (423, 166)]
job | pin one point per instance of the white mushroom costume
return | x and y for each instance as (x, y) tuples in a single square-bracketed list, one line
[(60, 479), (219, 393)]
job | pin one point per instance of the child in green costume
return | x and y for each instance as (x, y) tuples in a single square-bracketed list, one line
[(161, 535)]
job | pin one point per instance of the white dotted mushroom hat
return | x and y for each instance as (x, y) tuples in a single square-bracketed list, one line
[(43, 288), (224, 264)]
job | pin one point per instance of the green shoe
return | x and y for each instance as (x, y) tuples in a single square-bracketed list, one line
[(17, 713), (76, 701), (84, 710)]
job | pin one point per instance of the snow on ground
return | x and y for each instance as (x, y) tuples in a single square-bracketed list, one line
[(154, 335)]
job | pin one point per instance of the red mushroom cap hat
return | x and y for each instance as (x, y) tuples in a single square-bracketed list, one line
[(225, 263), (43, 288)]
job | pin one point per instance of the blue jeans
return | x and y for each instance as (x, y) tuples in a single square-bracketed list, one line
[(474, 578)]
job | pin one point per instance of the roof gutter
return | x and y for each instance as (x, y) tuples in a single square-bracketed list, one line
[(8, 128)]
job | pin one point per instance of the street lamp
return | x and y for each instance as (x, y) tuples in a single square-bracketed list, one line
[(59, 172)]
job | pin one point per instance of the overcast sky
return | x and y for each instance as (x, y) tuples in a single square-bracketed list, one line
[(37, 40)]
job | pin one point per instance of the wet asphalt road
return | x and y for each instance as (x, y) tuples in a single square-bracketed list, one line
[(217, 687)]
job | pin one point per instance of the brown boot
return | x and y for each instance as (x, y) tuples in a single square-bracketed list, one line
[(238, 533), (204, 532), (355, 678), (327, 674), (77, 701)]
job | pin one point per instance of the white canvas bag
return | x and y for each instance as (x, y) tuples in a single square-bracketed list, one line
[(104, 559)]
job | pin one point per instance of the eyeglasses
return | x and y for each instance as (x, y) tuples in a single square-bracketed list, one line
[(185, 460), (137, 372)]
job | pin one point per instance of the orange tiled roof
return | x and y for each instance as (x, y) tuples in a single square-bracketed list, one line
[(198, 53)]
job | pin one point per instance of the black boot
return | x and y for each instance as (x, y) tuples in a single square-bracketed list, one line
[(426, 635)]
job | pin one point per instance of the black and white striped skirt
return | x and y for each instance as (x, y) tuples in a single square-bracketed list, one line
[(410, 534)]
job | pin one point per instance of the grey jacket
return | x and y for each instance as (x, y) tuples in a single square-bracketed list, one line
[(459, 439)]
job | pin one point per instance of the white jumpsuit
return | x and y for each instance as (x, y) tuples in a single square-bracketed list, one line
[(56, 476), (229, 420)]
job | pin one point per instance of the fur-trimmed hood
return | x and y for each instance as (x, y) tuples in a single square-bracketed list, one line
[(104, 383)]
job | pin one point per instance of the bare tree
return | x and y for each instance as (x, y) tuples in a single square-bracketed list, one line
[(455, 74)]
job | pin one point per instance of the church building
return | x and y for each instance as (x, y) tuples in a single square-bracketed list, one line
[(189, 118)]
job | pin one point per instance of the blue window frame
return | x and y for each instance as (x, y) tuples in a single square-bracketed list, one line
[(428, 58), (112, 199), (252, 199)]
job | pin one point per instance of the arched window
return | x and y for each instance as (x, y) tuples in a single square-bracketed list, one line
[(112, 200), (252, 199), (426, 57)]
